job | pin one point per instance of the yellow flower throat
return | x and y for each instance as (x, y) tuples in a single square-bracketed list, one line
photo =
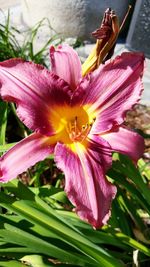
[(71, 124)]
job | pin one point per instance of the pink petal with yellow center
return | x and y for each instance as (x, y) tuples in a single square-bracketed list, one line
[(111, 90), (35, 90), (85, 181), (126, 142), (66, 64), (24, 155)]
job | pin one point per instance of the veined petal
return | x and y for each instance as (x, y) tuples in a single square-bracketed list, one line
[(66, 64), (24, 155), (126, 142), (102, 148), (85, 181), (111, 90), (35, 90)]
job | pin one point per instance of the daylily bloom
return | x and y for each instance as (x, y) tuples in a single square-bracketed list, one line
[(78, 119)]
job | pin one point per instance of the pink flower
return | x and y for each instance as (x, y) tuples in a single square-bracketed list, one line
[(78, 119)]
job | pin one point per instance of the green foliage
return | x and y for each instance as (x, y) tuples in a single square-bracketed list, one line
[(45, 231), (31, 226), (11, 48)]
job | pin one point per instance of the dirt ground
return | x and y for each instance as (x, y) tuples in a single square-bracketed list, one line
[(139, 119)]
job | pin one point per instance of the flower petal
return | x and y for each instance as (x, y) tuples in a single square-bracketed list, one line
[(102, 148), (85, 181), (66, 64), (35, 90), (24, 155), (126, 142), (111, 90)]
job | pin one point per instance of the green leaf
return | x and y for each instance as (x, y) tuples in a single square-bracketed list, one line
[(3, 122), (13, 263), (132, 209), (4, 148), (130, 187), (19, 190), (144, 168), (32, 213), (37, 245), (133, 243), (36, 261), (128, 169), (122, 220)]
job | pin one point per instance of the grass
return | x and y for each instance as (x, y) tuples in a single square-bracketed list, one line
[(10, 47)]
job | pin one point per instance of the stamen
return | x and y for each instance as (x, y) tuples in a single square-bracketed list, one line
[(75, 125), (75, 133)]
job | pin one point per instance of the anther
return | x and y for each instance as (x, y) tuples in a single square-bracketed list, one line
[(79, 133)]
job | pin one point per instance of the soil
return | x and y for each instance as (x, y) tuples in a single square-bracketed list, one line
[(139, 119)]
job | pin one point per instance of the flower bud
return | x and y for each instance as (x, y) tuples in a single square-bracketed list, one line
[(106, 36)]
